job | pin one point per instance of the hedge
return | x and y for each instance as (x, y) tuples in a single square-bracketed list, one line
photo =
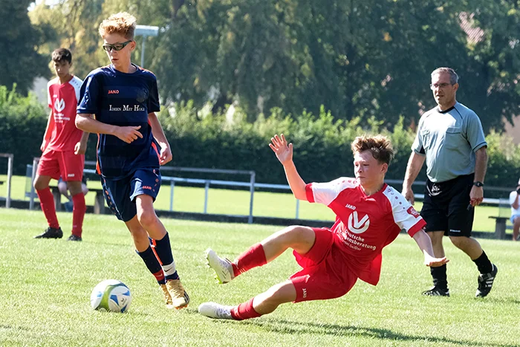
[(205, 140)]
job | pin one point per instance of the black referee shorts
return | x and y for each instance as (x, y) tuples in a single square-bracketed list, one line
[(445, 206)]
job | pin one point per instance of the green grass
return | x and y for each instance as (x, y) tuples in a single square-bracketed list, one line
[(45, 288), (232, 202)]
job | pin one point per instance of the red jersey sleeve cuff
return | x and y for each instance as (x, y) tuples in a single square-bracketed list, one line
[(417, 227), (309, 193)]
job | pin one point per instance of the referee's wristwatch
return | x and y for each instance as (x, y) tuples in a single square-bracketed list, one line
[(478, 184)]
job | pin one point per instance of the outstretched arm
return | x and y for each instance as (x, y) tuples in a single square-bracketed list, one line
[(425, 244), (284, 153)]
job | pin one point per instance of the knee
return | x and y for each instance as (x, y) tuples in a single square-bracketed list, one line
[(146, 218), (39, 185), (458, 241), (293, 232)]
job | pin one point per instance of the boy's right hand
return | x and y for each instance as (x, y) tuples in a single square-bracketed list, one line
[(43, 146), (128, 133), (283, 151)]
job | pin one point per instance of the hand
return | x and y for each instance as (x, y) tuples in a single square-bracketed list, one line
[(408, 195), (518, 190), (434, 262), (43, 145), (166, 155), (128, 133), (283, 152), (80, 148), (476, 196)]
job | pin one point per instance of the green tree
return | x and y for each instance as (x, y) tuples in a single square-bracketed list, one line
[(20, 61)]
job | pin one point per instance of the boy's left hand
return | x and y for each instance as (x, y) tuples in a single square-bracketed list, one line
[(80, 148), (166, 155)]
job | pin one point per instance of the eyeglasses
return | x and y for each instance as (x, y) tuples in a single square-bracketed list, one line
[(116, 46), (439, 85)]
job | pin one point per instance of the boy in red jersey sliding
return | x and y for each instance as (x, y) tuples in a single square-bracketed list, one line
[(369, 216), (63, 148), (119, 102)]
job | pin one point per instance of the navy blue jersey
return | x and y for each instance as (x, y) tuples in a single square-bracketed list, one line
[(123, 99)]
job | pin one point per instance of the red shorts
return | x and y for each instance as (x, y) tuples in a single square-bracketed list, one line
[(66, 165), (325, 274)]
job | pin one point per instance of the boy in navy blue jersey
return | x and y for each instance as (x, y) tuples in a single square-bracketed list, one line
[(119, 102)]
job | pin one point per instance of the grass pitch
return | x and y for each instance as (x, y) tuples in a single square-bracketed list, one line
[(45, 287)]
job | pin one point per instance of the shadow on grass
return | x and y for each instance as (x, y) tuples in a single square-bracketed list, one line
[(292, 327)]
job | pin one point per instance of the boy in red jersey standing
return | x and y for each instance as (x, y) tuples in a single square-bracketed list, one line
[(63, 148), (119, 102), (369, 216)]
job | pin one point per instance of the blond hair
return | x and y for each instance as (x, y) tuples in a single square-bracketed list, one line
[(379, 146), (121, 23)]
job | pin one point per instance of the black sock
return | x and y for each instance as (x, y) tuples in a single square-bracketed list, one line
[(439, 277), (483, 264)]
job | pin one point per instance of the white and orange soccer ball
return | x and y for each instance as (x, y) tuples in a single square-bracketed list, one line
[(111, 295)]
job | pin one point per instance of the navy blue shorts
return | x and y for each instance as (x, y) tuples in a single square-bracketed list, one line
[(120, 194), (446, 206)]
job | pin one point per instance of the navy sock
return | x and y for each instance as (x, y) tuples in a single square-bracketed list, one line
[(153, 264), (163, 250)]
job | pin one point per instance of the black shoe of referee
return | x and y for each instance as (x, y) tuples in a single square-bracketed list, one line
[(435, 291), (485, 282)]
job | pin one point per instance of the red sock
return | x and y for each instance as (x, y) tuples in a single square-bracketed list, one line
[(244, 311), (48, 208), (253, 257), (78, 213)]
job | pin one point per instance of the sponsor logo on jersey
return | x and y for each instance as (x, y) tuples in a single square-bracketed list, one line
[(59, 106), (113, 91), (413, 212), (350, 206), (147, 187), (356, 225)]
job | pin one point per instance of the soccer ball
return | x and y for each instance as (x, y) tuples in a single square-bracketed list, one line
[(111, 295)]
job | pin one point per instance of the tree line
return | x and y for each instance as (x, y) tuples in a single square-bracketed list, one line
[(355, 58), (207, 139)]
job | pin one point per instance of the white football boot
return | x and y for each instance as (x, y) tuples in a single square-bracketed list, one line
[(215, 311), (222, 267)]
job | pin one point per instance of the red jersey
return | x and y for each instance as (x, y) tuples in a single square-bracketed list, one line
[(365, 224), (63, 100)]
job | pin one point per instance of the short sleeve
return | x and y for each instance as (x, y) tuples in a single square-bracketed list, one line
[(512, 197), (325, 193), (417, 145), (49, 99), (153, 98), (89, 95), (404, 215), (475, 133)]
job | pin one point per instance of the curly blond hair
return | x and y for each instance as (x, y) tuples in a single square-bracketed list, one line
[(121, 23), (379, 145)]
